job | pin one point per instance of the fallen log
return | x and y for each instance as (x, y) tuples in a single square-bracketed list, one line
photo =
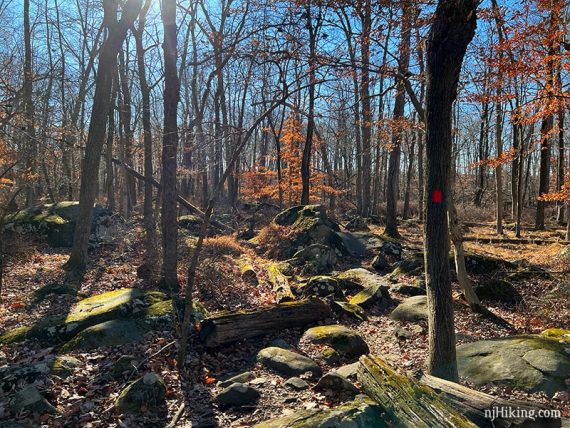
[(231, 327), (407, 403), (186, 204), (533, 241), (279, 283), (474, 405)]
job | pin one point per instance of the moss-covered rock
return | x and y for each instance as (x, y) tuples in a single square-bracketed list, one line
[(343, 339), (363, 244), (529, 362), (286, 362), (57, 289), (143, 394), (412, 309), (411, 266), (370, 295), (329, 356), (364, 278), (340, 308), (310, 225), (498, 290), (193, 224), (54, 221), (64, 365), (108, 333), (123, 303), (362, 412), (357, 224), (124, 366)]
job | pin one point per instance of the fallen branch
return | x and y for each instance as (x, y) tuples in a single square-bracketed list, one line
[(186, 204)]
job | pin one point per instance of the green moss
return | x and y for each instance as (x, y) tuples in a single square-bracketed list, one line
[(143, 394), (109, 333), (558, 334), (63, 365)]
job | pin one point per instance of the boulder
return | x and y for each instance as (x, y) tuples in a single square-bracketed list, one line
[(364, 278), (296, 383), (362, 412), (322, 286), (287, 362), (408, 290), (310, 225), (370, 295), (349, 309), (61, 366), (498, 290), (362, 244), (392, 249), (344, 340), (316, 258), (237, 394), (329, 356), (244, 377), (56, 222), (348, 371), (124, 366), (357, 224), (109, 333), (411, 266), (380, 263), (532, 363), (143, 394), (336, 383), (412, 309), (129, 303), (30, 399)]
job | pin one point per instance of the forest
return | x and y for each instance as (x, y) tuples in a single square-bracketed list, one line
[(285, 213)]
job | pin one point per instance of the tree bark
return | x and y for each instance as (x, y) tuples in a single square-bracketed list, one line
[(231, 327), (169, 149), (117, 31), (398, 116), (406, 402), (151, 255), (452, 30)]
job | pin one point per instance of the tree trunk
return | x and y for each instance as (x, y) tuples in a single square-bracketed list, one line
[(450, 33), (560, 166), (151, 255), (366, 123), (169, 149), (499, 207), (31, 146), (407, 403), (96, 136), (398, 116), (544, 176), (231, 327), (307, 148), (474, 404)]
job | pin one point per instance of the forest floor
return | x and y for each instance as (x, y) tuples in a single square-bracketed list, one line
[(86, 397)]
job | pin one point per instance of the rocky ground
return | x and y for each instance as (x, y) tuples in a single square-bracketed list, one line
[(55, 374)]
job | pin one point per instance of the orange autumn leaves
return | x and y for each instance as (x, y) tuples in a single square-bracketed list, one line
[(262, 182)]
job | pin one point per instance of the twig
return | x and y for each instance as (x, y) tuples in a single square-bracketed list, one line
[(177, 416)]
